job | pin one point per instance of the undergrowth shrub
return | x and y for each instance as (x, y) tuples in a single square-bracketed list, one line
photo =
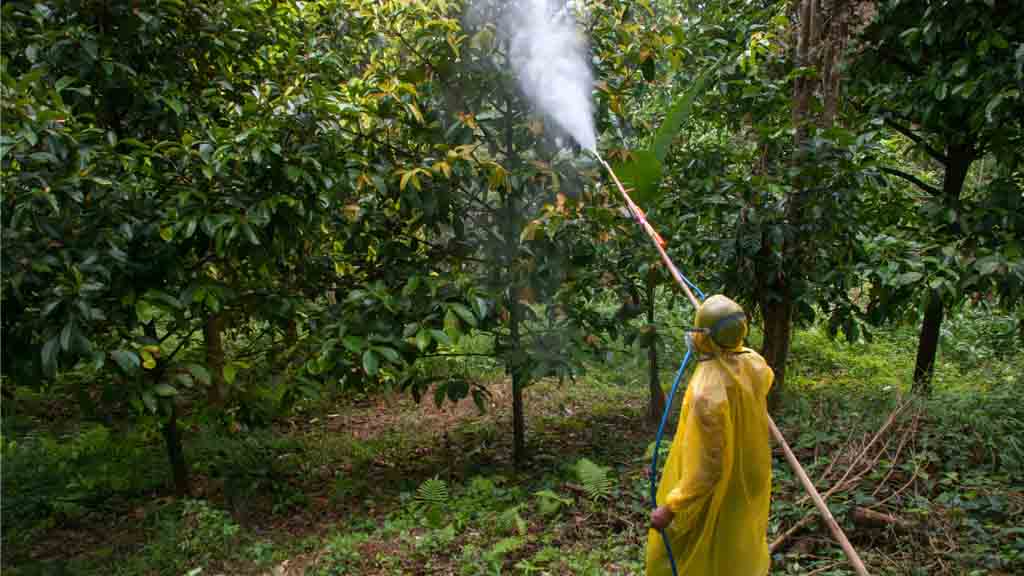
[(189, 536), (49, 480), (974, 335), (979, 430), (343, 555), (259, 462)]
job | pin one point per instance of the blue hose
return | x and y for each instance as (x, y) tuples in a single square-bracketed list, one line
[(661, 429), (657, 445), (700, 295)]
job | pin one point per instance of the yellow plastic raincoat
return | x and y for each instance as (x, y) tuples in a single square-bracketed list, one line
[(717, 479)]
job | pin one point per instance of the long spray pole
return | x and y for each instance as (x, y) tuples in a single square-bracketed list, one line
[(819, 503), (659, 242)]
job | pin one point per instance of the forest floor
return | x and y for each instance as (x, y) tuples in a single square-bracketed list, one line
[(383, 485)]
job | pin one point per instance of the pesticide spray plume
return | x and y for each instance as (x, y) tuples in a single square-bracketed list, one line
[(550, 59)]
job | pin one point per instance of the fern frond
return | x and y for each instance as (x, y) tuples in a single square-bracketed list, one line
[(594, 479), (433, 491)]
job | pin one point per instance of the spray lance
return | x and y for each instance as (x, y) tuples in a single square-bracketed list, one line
[(689, 288)]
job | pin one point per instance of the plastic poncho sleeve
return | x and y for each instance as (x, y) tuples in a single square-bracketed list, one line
[(717, 477), (708, 425)]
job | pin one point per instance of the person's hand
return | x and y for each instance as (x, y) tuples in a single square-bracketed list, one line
[(661, 517)]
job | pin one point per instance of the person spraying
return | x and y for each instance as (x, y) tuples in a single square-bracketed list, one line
[(713, 498)]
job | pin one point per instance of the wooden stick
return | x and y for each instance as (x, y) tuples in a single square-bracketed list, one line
[(659, 243), (892, 418), (788, 533), (873, 517), (833, 526)]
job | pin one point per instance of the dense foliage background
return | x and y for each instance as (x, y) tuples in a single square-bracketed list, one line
[(226, 222)]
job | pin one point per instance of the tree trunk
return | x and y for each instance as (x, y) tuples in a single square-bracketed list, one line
[(656, 407), (778, 315), (958, 162), (776, 301), (176, 455), (802, 87), (215, 358), (513, 230), (928, 344), (518, 425)]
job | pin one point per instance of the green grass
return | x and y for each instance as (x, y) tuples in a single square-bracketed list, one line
[(354, 486)]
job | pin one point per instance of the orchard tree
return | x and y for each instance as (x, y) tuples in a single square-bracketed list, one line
[(948, 78), (180, 169), (754, 173)]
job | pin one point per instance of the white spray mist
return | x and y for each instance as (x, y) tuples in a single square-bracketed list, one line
[(550, 61)]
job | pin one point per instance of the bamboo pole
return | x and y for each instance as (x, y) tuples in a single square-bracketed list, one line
[(659, 243)]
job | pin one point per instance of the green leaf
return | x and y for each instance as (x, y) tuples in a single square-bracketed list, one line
[(184, 380), (678, 114), (174, 104), (405, 180), (63, 83), (200, 373), (250, 234), (149, 400), (995, 102), (50, 350), (214, 222), (451, 323), (988, 265), (422, 339), (440, 393), (353, 343), (594, 478), (65, 337), (230, 372), (410, 286), (50, 307), (165, 390), (161, 297), (148, 361), (389, 353), (465, 313), (90, 48), (481, 307), (440, 337), (641, 175), (370, 363), (128, 361), (457, 389), (907, 278)]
